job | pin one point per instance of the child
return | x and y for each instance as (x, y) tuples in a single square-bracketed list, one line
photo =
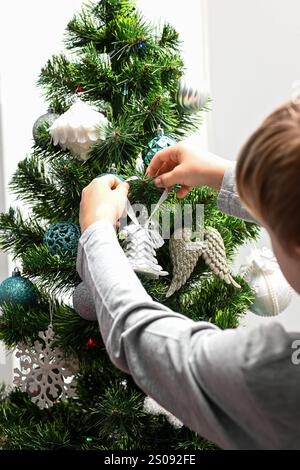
[(238, 388)]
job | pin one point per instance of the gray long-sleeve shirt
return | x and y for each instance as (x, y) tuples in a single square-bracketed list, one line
[(238, 388)]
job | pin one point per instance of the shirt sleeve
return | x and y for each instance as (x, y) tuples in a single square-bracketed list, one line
[(193, 369), (228, 199)]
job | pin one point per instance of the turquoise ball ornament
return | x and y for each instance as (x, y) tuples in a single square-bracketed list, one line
[(18, 290), (112, 171), (62, 236), (160, 142)]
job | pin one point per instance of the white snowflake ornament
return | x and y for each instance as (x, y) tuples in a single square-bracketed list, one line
[(79, 128), (46, 374)]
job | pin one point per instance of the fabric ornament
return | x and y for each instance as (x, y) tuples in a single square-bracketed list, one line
[(191, 99), (273, 294), (79, 128), (45, 373), (185, 254), (142, 238), (153, 408), (83, 303)]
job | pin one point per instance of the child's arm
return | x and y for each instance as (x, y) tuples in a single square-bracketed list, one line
[(184, 165), (229, 386), (228, 199)]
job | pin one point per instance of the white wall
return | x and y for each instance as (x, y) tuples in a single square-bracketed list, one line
[(189, 22), (27, 40), (254, 54)]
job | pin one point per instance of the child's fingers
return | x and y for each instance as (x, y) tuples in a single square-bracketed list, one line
[(183, 192), (161, 157), (169, 179)]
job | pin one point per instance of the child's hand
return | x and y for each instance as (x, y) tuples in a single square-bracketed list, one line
[(181, 164), (104, 198)]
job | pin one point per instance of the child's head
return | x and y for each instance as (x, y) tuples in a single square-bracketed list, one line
[(268, 182)]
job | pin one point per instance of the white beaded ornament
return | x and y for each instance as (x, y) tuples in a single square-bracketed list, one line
[(273, 294), (45, 373), (186, 253), (152, 407), (79, 128)]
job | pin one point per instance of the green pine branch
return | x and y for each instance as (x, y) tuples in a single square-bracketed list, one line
[(17, 234), (54, 273)]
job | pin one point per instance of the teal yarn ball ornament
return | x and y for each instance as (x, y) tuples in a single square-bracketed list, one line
[(160, 142), (62, 236), (18, 290)]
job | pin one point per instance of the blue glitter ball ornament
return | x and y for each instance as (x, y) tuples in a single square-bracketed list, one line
[(62, 236), (159, 142), (18, 290)]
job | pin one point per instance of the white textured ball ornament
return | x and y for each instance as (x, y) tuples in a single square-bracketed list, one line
[(79, 128), (191, 99), (263, 274), (83, 303)]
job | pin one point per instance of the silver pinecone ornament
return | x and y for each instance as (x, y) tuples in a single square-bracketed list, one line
[(186, 253)]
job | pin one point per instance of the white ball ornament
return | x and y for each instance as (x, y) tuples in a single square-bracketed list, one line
[(79, 128), (263, 274), (83, 303)]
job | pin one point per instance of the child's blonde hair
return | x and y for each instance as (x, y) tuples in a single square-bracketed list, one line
[(268, 173)]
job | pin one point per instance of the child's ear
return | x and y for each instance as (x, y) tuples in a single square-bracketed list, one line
[(297, 250)]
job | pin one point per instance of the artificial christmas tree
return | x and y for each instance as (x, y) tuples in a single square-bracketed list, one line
[(130, 75)]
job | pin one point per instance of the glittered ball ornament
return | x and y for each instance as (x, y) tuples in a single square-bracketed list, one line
[(273, 294), (112, 171), (191, 99), (156, 144), (79, 128), (44, 120), (18, 290), (83, 303), (62, 236)]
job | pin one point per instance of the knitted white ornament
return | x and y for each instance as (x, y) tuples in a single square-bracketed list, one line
[(153, 408), (142, 238), (79, 128), (140, 250), (185, 255), (273, 294)]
